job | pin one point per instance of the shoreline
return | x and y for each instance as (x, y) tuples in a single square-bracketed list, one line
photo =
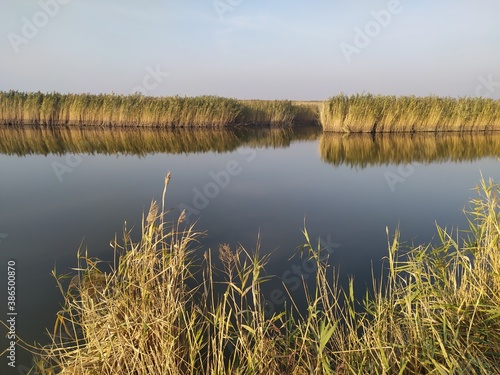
[(339, 114)]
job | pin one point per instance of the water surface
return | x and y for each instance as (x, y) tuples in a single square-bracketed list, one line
[(65, 189)]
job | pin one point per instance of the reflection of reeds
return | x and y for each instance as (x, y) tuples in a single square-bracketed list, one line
[(56, 140), (368, 113), (18, 108), (362, 150), (355, 149)]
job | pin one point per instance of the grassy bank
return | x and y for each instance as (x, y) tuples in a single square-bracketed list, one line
[(370, 114), (344, 114), (437, 311), (18, 108)]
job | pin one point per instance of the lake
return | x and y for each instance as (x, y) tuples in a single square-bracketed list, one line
[(65, 189)]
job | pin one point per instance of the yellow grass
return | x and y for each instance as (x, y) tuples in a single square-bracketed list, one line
[(436, 311), (18, 108), (390, 114), (346, 114)]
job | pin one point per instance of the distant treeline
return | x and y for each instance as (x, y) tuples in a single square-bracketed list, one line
[(343, 114), (19, 108)]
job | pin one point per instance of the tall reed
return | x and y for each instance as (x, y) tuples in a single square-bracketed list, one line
[(369, 114), (436, 311), (18, 108), (272, 112), (117, 110)]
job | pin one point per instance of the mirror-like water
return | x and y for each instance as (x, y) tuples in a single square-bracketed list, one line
[(62, 189)]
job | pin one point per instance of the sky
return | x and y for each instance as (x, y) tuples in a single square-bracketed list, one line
[(252, 49)]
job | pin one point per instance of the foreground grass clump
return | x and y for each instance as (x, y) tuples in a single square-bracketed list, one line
[(369, 114), (18, 108), (437, 310)]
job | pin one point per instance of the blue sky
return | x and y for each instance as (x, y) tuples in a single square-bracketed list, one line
[(303, 50)]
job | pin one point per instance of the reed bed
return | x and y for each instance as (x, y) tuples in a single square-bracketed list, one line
[(18, 108), (361, 150), (390, 114), (346, 114), (308, 112), (436, 311), (280, 112), (269, 112)]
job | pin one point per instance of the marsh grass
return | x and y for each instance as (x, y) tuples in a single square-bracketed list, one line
[(436, 311), (308, 112), (347, 114), (18, 108), (269, 112), (390, 114)]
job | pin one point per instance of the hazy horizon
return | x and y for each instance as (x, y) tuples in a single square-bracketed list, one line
[(252, 49)]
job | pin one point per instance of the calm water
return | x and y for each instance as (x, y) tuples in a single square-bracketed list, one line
[(60, 190)]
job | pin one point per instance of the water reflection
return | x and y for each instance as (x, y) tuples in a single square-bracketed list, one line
[(45, 220), (366, 150), (133, 141), (336, 149)]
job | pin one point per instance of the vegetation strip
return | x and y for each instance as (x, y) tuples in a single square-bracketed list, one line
[(343, 114), (435, 311), (18, 108), (391, 114)]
